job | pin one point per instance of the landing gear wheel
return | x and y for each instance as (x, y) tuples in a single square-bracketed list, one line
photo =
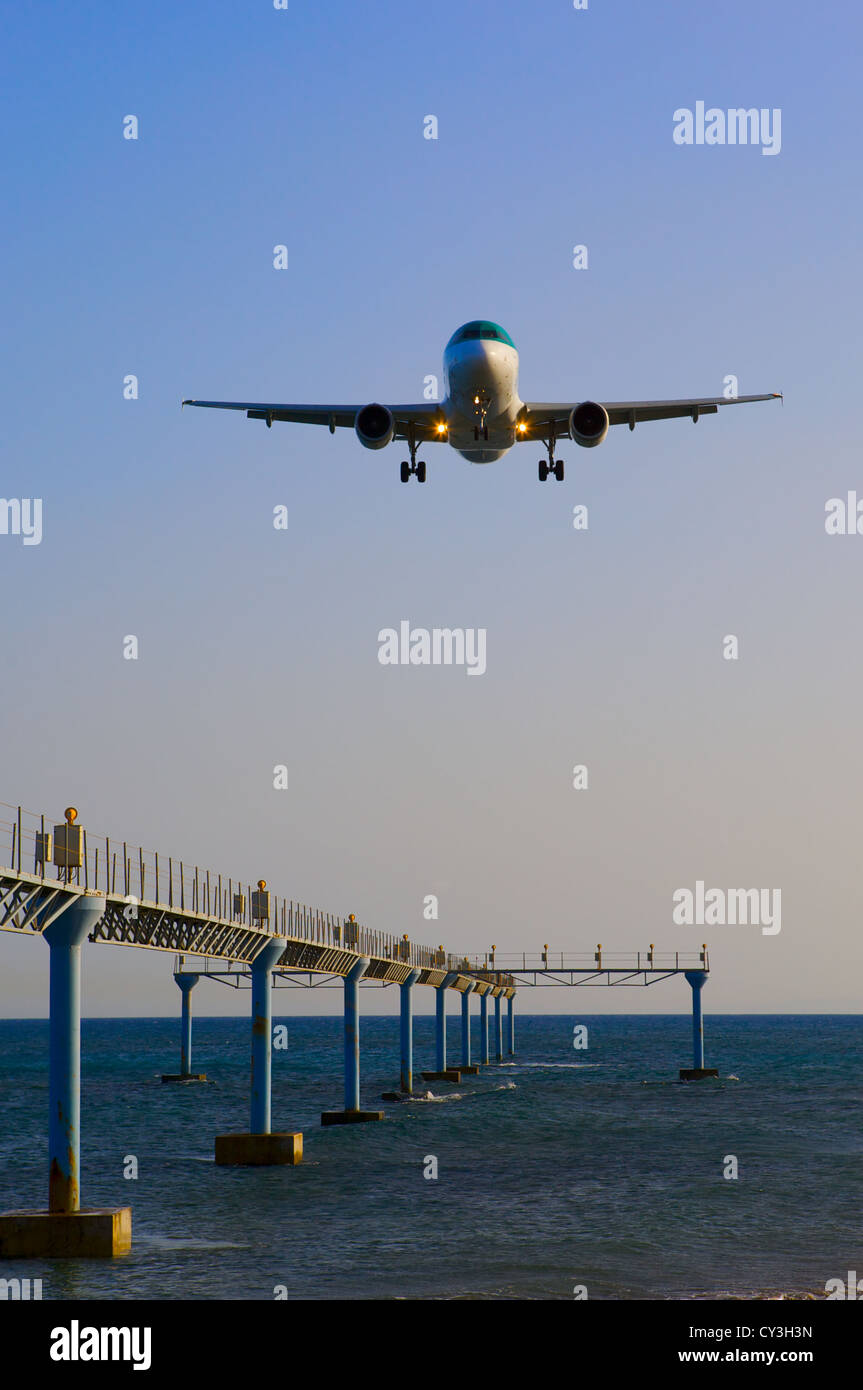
[(421, 472), (405, 470), (558, 470), (543, 470)]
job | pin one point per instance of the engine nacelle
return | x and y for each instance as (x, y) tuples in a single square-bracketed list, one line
[(588, 424), (375, 426)]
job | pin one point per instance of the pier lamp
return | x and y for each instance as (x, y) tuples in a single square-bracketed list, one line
[(261, 903), (68, 851)]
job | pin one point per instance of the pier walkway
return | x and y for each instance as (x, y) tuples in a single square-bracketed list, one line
[(68, 886)]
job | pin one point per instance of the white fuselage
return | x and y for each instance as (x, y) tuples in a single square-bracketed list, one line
[(481, 402)]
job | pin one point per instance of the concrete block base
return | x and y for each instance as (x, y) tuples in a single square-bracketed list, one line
[(192, 1076), (449, 1075), (258, 1150), (469, 1070), (697, 1073), (96, 1234), (350, 1117)]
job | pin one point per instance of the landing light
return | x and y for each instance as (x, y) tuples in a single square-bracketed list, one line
[(521, 427), (441, 429)]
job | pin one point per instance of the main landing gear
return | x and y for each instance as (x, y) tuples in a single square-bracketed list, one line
[(552, 466), (418, 468), (408, 468)]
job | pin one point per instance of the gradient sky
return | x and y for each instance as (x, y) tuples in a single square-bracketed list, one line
[(259, 647)]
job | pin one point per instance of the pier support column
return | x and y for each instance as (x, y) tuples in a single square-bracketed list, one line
[(64, 1229), (483, 1029), (443, 1072), (352, 1114), (440, 1026), (406, 1034), (697, 979), (466, 1066), (498, 1032), (510, 1025), (186, 984), (260, 1147), (262, 1037)]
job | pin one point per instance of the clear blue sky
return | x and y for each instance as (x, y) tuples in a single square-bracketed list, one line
[(259, 647)]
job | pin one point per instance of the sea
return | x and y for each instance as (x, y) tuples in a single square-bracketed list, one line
[(563, 1172)]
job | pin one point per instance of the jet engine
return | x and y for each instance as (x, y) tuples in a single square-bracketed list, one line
[(588, 424), (375, 426)]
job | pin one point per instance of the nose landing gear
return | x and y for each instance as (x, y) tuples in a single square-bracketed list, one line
[(482, 404)]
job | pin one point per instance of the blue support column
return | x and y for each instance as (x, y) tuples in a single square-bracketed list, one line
[(406, 1081), (65, 937), (352, 1033), (465, 1025), (498, 1033), (261, 1146), (352, 1113), (483, 1029), (440, 1020), (440, 1028), (510, 1025), (697, 980), (262, 1035), (187, 984), (64, 1230)]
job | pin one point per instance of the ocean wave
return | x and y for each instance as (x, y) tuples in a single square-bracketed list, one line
[(430, 1098), (754, 1295), (566, 1066), (187, 1243)]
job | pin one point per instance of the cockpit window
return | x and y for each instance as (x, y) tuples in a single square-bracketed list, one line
[(480, 328)]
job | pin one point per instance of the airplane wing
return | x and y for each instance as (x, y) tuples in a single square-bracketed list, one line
[(539, 416), (422, 417)]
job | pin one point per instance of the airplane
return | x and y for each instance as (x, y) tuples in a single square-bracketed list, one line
[(482, 415)]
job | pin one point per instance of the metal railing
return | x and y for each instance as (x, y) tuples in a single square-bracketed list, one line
[(593, 960), (32, 843), (58, 850)]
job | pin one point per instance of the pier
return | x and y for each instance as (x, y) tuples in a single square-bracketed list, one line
[(58, 883)]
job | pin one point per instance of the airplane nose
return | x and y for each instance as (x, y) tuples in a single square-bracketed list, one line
[(477, 351)]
